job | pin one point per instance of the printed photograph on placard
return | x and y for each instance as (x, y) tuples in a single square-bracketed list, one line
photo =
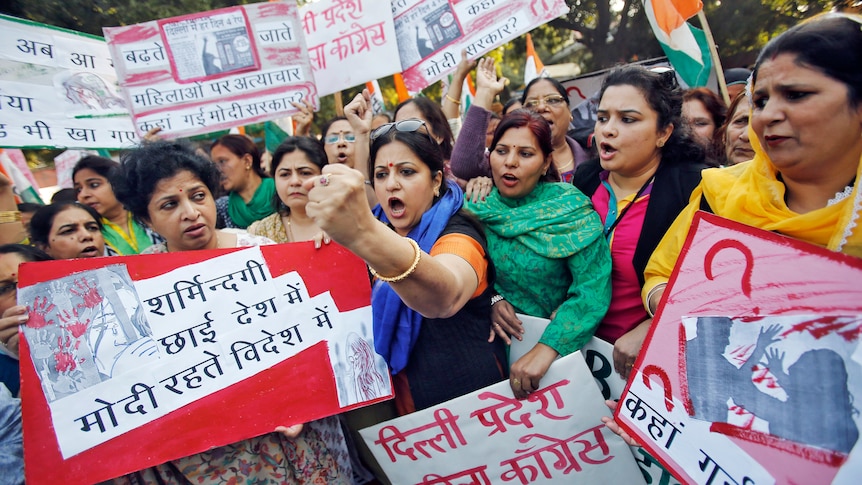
[(85, 329), (754, 378), (424, 29)]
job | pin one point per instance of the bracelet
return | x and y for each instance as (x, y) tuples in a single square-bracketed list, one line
[(497, 299), (452, 99), (410, 270), (10, 216), (649, 296)]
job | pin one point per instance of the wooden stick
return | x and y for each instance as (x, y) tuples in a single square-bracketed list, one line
[(716, 62)]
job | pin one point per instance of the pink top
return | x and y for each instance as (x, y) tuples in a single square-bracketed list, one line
[(626, 310)]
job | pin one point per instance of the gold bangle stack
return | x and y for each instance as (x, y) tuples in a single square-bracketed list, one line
[(410, 270), (10, 216), (650, 294), (450, 98)]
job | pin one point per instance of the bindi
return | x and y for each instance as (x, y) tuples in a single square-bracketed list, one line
[(391, 164)]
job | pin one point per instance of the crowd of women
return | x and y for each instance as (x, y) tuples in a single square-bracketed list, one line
[(461, 234)]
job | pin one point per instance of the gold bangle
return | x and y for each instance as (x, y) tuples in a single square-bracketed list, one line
[(10, 216), (655, 289), (453, 100), (410, 270)]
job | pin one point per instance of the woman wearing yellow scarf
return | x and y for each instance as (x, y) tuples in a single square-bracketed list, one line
[(806, 127)]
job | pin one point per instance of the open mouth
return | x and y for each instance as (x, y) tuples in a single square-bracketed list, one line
[(341, 157), (606, 150), (90, 252), (396, 207), (508, 180)]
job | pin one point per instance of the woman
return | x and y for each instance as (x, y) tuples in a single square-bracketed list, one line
[(249, 189), (431, 299), (296, 160), (546, 241), (545, 96), (734, 132), (648, 165), (803, 180), (704, 111), (13, 315), (339, 141), (170, 187), (68, 230), (123, 234)]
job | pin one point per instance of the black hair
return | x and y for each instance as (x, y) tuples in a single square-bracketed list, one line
[(28, 253), (419, 142), (511, 102), (309, 146), (29, 207), (142, 168), (435, 121), (43, 220), (64, 195), (665, 98), (830, 43), (103, 166), (556, 84), (241, 145)]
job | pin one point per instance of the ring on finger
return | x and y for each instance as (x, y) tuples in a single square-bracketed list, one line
[(516, 382), (324, 180)]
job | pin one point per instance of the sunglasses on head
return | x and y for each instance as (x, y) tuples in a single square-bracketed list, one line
[(411, 125), (334, 137), (668, 76)]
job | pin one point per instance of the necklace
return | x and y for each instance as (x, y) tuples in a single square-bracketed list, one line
[(562, 168), (289, 231)]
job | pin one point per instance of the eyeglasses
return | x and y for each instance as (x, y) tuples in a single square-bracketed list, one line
[(411, 125), (333, 138), (551, 101), (8, 288)]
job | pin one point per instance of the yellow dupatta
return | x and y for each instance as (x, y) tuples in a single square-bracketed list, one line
[(750, 193)]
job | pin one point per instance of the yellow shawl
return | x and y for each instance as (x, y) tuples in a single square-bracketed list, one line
[(751, 194)]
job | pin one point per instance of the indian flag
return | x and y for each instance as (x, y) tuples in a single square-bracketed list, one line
[(534, 67), (14, 166), (377, 104), (685, 46)]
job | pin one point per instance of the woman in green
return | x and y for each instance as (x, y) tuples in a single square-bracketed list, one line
[(546, 242), (250, 191), (124, 234)]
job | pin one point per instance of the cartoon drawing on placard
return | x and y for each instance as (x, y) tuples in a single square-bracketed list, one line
[(86, 328), (87, 91), (786, 377)]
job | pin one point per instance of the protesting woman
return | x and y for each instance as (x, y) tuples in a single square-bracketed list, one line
[(170, 187), (68, 230), (431, 297), (124, 235), (249, 189)]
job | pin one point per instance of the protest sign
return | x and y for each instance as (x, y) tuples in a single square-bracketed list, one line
[(488, 436), (213, 70), (349, 42), (432, 33), (58, 88), (150, 358), (752, 364)]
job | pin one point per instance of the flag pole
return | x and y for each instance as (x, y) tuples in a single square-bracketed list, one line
[(339, 104), (716, 62)]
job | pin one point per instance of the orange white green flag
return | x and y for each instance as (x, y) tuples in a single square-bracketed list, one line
[(685, 46), (534, 67)]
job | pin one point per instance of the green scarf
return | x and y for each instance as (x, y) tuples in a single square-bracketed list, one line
[(126, 244), (555, 220), (258, 207)]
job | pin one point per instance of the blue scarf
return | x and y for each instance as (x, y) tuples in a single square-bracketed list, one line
[(396, 326)]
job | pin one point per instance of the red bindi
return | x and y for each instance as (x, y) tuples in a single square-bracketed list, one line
[(391, 164)]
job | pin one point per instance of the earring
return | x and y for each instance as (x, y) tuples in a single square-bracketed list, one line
[(247, 168), (661, 143), (436, 191)]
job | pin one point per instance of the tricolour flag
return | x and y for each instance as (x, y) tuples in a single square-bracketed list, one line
[(377, 104), (685, 46), (23, 182), (534, 67), (400, 87)]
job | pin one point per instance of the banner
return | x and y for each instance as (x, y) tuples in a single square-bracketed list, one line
[(349, 42), (58, 88), (432, 33), (553, 436), (174, 354), (215, 70), (751, 371)]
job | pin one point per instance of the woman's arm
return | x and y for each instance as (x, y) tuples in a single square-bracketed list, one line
[(11, 229), (468, 156), (436, 286), (358, 112), (664, 257), (451, 103)]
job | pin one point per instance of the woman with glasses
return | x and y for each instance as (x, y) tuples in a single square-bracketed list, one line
[(647, 167), (544, 96), (705, 111), (433, 279), (339, 141), (249, 189)]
